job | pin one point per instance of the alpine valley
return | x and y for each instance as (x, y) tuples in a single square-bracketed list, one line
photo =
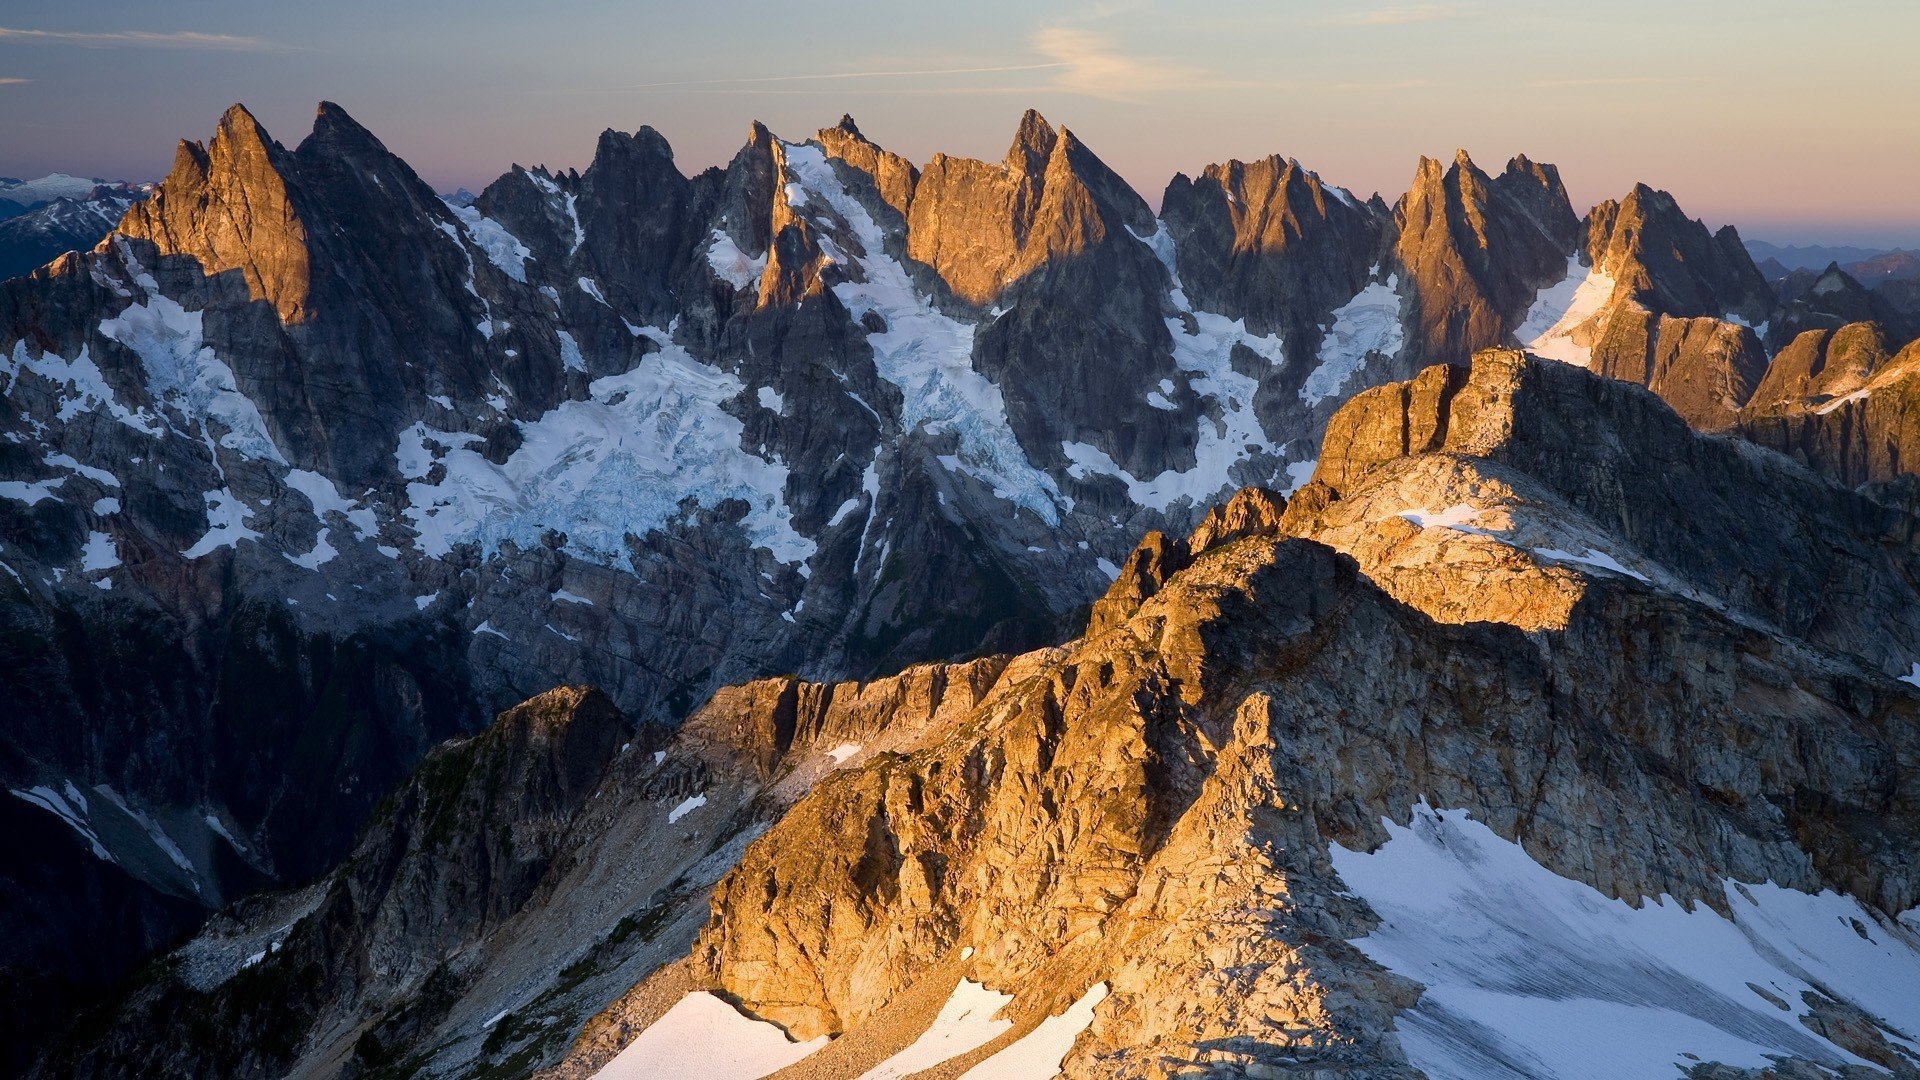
[(829, 616)]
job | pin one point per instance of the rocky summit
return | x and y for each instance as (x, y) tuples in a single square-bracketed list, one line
[(833, 616)]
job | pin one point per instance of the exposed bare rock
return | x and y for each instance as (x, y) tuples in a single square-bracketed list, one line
[(1670, 264), (1706, 368), (1269, 242), (1660, 302), (1833, 298), (226, 204), (1150, 807), (983, 226), (1732, 524), (1477, 248), (542, 866), (309, 469), (894, 177), (1851, 418)]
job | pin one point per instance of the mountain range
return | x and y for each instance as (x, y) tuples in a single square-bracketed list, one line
[(900, 589), (42, 219)]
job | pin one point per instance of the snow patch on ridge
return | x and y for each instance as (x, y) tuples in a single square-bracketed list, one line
[(86, 387), (965, 1023), (1531, 974), (1593, 557), (99, 553), (226, 524), (1560, 309), (70, 807), (619, 463), (1037, 1055), (704, 1036), (325, 498), (731, 265), (503, 249)]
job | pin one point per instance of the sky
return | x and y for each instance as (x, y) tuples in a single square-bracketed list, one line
[(1794, 121)]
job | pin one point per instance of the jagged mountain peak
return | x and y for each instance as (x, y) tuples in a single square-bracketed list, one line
[(1477, 249), (983, 226), (1269, 241), (893, 176), (332, 123), (644, 141), (237, 124), (228, 204), (1670, 263), (532, 423), (1033, 143)]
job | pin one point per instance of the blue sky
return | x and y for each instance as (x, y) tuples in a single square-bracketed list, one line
[(1794, 121)]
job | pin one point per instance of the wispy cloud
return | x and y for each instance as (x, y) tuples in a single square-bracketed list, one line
[(1404, 14), (10, 80), (1092, 63), (136, 39)]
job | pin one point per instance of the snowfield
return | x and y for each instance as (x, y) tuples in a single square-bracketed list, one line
[(1559, 309), (1532, 975)]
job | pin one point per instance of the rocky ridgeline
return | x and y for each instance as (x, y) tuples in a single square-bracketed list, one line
[(304, 469), (1502, 593)]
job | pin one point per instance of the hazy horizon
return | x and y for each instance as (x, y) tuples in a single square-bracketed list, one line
[(1779, 119)]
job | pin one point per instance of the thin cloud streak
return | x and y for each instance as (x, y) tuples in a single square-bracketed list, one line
[(137, 39), (10, 80)]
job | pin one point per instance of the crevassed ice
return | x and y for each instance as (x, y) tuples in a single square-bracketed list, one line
[(620, 462), (928, 355), (1225, 440), (1529, 974), (503, 249), (1367, 325), (183, 374), (1561, 308)]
